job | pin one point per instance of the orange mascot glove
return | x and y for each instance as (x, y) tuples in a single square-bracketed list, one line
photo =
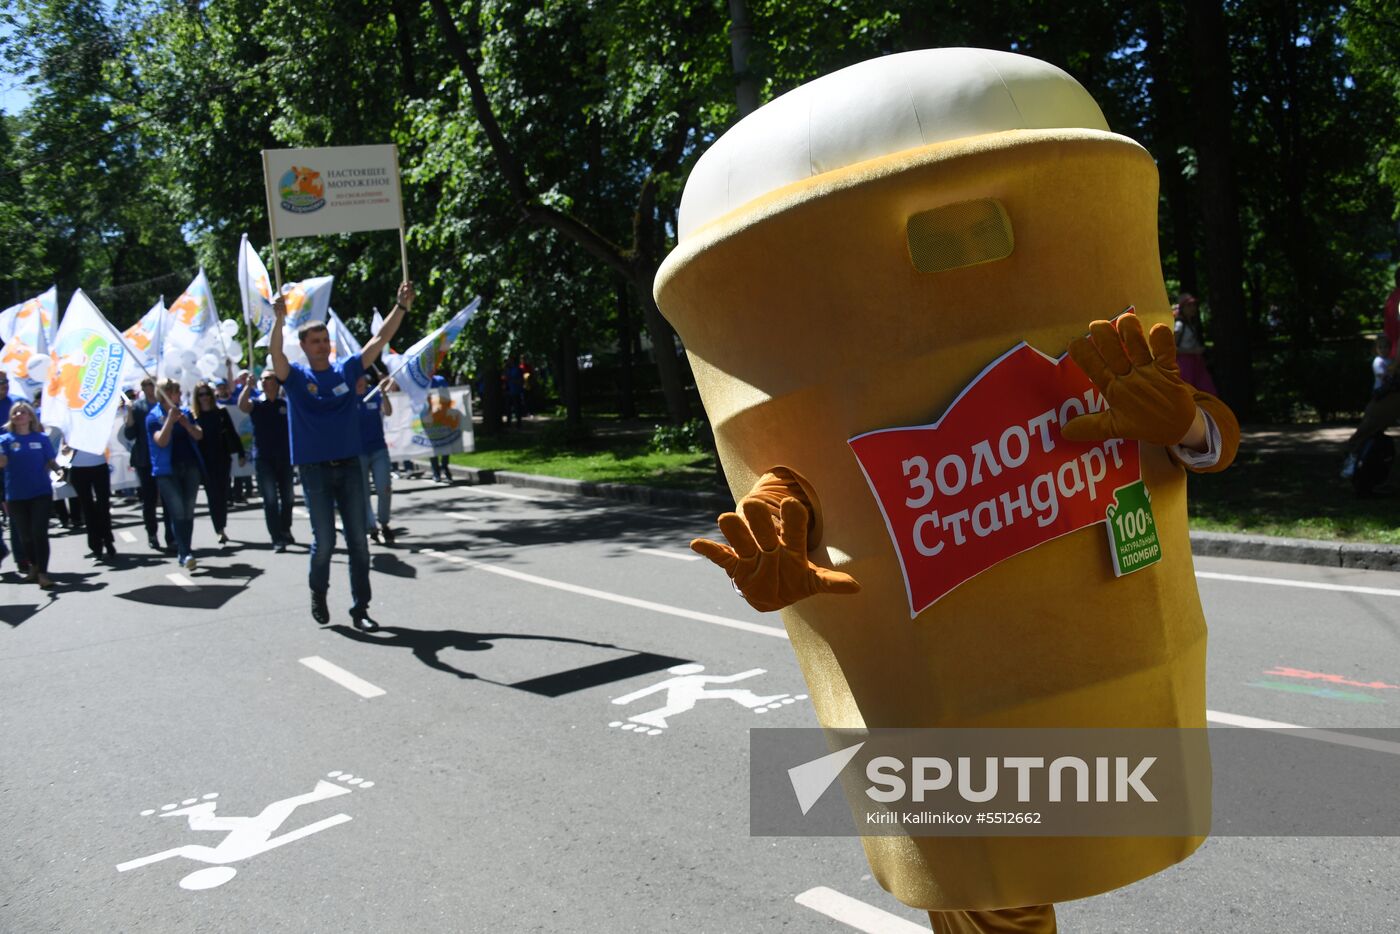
[(767, 552), (1138, 377)]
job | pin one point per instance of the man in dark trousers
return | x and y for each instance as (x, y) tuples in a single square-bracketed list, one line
[(325, 440), (135, 431)]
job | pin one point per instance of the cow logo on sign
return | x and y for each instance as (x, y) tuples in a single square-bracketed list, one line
[(302, 190)]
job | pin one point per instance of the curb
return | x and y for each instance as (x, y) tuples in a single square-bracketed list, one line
[(1203, 544), (625, 492), (1296, 551)]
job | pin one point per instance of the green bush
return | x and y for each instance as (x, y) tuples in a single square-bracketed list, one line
[(693, 437)]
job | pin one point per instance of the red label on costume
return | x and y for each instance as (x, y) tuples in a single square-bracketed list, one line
[(993, 477)]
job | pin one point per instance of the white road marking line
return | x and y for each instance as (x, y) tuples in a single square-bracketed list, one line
[(299, 511), (661, 553), (1213, 716), (181, 580), (1305, 732), (1310, 585), (611, 597), (855, 913), (126, 536), (468, 518), (341, 677), (490, 492)]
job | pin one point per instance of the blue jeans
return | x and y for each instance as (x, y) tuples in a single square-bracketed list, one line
[(178, 490), (275, 487), (328, 487), (376, 464)]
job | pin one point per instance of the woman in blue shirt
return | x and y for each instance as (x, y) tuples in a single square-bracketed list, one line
[(27, 456), (175, 463)]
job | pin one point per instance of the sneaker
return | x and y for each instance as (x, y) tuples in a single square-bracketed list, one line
[(111, 549), (374, 534), (191, 564), (319, 611), (388, 534), (361, 620), (46, 583), (280, 547), (153, 542), (223, 537), (1349, 467)]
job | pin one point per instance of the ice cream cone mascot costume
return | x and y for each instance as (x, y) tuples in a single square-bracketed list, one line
[(878, 276)]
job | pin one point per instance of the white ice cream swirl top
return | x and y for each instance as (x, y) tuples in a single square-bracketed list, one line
[(878, 107)]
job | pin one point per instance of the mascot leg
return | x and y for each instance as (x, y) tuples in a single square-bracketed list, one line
[(1034, 919)]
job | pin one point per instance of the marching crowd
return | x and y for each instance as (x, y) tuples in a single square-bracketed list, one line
[(320, 421)]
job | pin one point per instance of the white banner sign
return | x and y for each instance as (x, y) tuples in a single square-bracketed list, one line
[(429, 432), (336, 190)]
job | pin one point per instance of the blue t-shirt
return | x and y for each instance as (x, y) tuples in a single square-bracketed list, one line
[(269, 418), (181, 449), (5, 403), (372, 424), (27, 465), (325, 425)]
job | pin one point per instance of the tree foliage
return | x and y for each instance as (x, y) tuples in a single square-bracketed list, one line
[(545, 146)]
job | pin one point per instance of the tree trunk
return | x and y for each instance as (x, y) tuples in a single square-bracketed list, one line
[(492, 405), (568, 374), (626, 394), (741, 53), (663, 346), (1219, 190), (1167, 124)]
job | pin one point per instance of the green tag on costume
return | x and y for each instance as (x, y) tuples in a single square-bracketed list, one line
[(1132, 532)]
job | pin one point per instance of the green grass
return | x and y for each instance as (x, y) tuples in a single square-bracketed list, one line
[(611, 452), (1284, 481)]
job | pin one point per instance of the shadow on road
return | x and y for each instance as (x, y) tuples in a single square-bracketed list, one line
[(205, 597), (16, 614), (426, 644), (386, 563)]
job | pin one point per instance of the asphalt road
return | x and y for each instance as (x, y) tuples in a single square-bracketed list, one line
[(468, 769)]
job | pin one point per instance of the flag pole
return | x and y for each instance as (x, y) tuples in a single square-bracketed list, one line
[(272, 223), (403, 238)]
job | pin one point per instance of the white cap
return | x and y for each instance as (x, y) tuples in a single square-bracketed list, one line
[(878, 107)]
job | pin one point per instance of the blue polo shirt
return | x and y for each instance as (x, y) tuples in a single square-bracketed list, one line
[(325, 424), (27, 466), (182, 448), (372, 424), (269, 417)]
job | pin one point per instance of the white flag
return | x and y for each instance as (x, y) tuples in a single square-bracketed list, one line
[(192, 320), (344, 344), (144, 337), (254, 288), (418, 364), (90, 362), (26, 330)]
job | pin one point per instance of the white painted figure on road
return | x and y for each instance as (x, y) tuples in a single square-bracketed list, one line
[(687, 689), (246, 836)]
